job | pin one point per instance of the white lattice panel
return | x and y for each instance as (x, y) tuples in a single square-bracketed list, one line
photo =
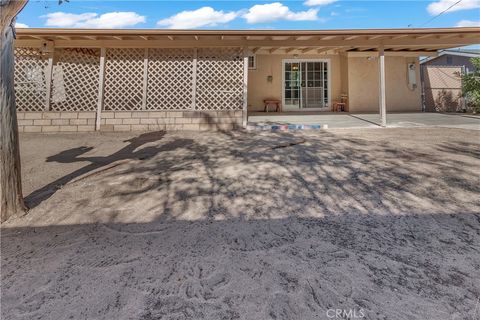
[(219, 79), (124, 79), (75, 80), (30, 85), (170, 79)]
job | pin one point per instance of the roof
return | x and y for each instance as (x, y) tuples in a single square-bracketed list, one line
[(469, 53), (427, 39)]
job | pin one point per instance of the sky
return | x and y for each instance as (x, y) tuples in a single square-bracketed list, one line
[(228, 14)]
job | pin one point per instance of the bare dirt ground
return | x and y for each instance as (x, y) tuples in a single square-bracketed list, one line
[(381, 222)]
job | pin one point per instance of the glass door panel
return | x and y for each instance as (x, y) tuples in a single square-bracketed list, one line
[(305, 85)]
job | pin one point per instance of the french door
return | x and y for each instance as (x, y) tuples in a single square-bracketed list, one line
[(306, 85)]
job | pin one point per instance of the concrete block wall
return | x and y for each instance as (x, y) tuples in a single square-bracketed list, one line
[(131, 121), (56, 121)]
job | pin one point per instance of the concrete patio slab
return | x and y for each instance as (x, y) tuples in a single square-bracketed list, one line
[(346, 120)]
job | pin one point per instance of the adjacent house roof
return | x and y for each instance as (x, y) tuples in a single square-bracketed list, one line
[(273, 41), (469, 53)]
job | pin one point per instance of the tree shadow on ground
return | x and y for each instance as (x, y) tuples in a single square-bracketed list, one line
[(231, 226), (132, 151)]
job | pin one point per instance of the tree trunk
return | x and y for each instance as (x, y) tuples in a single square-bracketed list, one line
[(11, 199)]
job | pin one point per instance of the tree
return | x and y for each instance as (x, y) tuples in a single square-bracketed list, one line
[(11, 199), (471, 85)]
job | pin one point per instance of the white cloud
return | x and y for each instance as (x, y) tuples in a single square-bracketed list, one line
[(108, 20), (276, 11), (21, 25), (203, 17), (318, 2), (442, 5), (468, 23)]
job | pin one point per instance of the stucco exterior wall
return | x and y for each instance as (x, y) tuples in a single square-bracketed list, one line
[(259, 88), (363, 85), (357, 77)]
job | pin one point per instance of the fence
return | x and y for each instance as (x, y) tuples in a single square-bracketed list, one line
[(131, 80), (443, 88)]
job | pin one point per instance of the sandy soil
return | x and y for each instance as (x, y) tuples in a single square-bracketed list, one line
[(382, 222)]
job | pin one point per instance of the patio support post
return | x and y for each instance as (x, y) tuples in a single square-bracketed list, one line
[(48, 81), (145, 79), (101, 84), (245, 86), (381, 95), (194, 78)]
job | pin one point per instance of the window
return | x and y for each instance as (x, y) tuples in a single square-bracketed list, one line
[(252, 62), (449, 60)]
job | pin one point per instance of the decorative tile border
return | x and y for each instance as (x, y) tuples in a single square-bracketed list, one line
[(285, 127)]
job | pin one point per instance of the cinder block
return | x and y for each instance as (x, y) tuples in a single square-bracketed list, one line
[(139, 127), (131, 121), (175, 114), (123, 114), (183, 120), (69, 115), (207, 127), (20, 128), (33, 115), (68, 128), (50, 128), (195, 114), (148, 121), (51, 115), (32, 129), (239, 113), (60, 122), (92, 121), (86, 128), (174, 127), (108, 115), (166, 120), (42, 122), (191, 127), (156, 127), (140, 114), (25, 122), (87, 115), (121, 127), (113, 121), (78, 121), (20, 115), (200, 120), (157, 114), (106, 127)]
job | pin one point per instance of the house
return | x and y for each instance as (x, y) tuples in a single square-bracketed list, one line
[(442, 82), (453, 57), (122, 80)]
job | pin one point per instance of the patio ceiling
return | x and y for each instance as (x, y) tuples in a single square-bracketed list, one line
[(357, 41)]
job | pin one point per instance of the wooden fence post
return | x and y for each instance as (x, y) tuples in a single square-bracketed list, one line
[(194, 78), (101, 86), (245, 87), (48, 80), (145, 79)]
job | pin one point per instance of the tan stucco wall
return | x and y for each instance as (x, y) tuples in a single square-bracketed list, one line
[(271, 65), (357, 77), (363, 85)]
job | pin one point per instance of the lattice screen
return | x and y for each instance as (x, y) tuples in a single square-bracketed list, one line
[(30, 85), (124, 79), (219, 79), (170, 79), (75, 80)]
